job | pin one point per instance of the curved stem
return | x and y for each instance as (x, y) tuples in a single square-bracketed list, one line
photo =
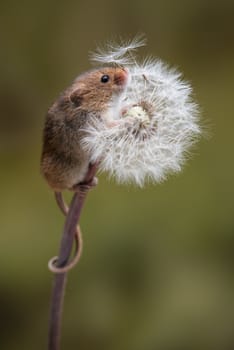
[(69, 231)]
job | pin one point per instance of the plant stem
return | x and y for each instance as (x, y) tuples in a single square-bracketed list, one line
[(56, 311), (71, 222)]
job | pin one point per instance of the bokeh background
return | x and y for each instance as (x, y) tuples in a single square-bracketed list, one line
[(157, 270)]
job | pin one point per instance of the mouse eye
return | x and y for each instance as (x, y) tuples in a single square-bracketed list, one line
[(105, 78)]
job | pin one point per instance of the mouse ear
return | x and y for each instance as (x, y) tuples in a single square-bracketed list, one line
[(76, 97)]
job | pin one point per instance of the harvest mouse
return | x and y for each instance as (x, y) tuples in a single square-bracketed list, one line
[(93, 94)]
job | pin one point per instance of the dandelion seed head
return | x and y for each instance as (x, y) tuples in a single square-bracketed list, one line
[(158, 124)]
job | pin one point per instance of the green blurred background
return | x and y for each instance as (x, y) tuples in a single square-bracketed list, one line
[(157, 270)]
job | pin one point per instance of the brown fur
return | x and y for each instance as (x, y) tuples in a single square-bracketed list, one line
[(63, 161)]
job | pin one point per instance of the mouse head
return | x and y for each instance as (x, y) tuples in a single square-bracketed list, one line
[(93, 91)]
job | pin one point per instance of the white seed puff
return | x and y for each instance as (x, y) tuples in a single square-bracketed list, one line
[(158, 122)]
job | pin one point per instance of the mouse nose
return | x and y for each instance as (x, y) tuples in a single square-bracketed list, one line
[(121, 77)]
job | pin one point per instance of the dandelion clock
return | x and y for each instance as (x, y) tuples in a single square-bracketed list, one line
[(156, 121)]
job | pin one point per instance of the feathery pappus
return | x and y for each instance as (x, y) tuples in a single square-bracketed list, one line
[(155, 121)]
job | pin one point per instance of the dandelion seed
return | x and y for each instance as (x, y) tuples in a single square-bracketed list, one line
[(122, 54), (158, 123)]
